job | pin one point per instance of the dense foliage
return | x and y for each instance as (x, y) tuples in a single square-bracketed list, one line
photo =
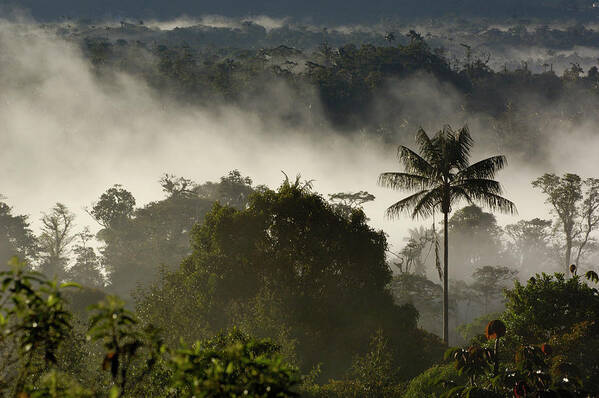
[(290, 266), (138, 241), (16, 238), (546, 345), (39, 340)]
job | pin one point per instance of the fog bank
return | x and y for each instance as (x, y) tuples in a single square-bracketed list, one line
[(67, 135)]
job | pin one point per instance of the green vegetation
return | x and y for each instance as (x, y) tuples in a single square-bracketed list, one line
[(543, 348), (535, 347), (290, 267), (232, 289), (39, 338)]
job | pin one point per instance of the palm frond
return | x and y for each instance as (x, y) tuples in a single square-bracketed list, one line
[(414, 163), (432, 170), (473, 185), (485, 168), (464, 144), (396, 180), (427, 203), (457, 146), (494, 202), (406, 204), (459, 193), (428, 148)]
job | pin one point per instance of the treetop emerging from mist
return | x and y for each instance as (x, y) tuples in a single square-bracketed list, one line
[(443, 176), (575, 202)]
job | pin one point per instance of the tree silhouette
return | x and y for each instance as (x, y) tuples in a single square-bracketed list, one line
[(442, 176), (55, 240), (576, 203)]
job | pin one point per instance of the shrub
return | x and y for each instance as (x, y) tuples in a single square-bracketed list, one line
[(430, 383)]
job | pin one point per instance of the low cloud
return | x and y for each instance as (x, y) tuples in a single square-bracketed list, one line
[(67, 135)]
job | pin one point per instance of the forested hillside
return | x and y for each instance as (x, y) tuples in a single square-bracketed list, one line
[(381, 89), (403, 205)]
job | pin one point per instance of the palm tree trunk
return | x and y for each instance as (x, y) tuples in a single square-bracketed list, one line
[(445, 280)]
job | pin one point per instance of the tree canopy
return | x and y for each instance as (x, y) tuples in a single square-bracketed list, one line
[(289, 249), (16, 237)]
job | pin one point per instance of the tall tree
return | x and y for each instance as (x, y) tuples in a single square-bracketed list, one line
[(530, 244), (55, 239), (489, 282), (347, 202), (576, 204), (87, 269), (287, 253), (564, 194), (115, 206), (471, 224), (442, 176)]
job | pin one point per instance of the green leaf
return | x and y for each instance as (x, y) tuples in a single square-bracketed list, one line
[(592, 276), (114, 392), (6, 282), (52, 299), (449, 353), (70, 284), (230, 368)]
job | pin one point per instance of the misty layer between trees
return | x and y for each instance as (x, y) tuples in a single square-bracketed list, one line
[(232, 288), (513, 83)]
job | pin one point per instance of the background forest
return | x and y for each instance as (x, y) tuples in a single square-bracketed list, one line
[(232, 287)]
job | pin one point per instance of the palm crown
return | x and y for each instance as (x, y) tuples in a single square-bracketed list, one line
[(442, 175)]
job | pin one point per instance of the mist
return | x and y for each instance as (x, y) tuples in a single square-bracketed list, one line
[(68, 134)]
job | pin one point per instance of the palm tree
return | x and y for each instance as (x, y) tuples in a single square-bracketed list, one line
[(442, 176)]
